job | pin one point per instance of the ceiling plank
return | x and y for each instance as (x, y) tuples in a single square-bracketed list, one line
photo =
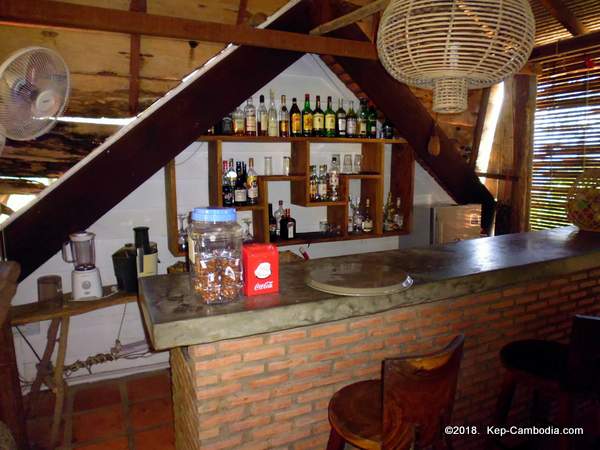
[(135, 61), (17, 186), (350, 18), (563, 14), (76, 202), (60, 14), (574, 44)]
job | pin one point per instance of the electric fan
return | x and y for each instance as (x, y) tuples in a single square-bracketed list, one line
[(34, 88)]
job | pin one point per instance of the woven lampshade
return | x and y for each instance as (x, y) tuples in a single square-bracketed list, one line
[(451, 46)]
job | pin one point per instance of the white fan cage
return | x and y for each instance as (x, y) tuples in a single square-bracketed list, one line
[(34, 89), (451, 46)]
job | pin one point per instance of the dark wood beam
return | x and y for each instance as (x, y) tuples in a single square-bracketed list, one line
[(350, 18), (18, 186), (68, 15), (241, 15), (483, 106), (105, 180), (135, 61), (563, 14), (574, 44)]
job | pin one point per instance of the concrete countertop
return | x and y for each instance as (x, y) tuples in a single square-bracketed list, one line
[(174, 317)]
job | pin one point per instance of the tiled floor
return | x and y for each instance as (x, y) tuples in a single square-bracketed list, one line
[(132, 413)]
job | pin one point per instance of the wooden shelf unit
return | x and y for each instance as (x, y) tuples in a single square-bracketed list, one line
[(371, 181)]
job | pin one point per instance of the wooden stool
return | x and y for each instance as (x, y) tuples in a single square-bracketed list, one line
[(565, 370), (409, 408)]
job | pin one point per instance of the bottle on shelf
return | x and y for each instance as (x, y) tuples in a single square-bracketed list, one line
[(295, 119), (227, 125), (351, 121), (388, 129), (273, 127), (329, 119), (362, 120), (372, 123), (340, 119), (240, 194), (313, 183), (263, 118), (357, 217), (333, 179), (272, 225), (287, 226), (318, 119), (252, 183), (398, 215), (227, 187), (367, 222), (322, 183), (284, 119), (388, 214), (307, 117), (238, 122), (250, 118), (278, 216)]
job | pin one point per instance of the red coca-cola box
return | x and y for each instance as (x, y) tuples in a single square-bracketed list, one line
[(261, 269)]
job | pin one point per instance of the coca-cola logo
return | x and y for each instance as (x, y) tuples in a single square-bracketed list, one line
[(263, 286), (263, 270)]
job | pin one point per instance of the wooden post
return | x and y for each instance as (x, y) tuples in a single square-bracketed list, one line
[(523, 121), (59, 381)]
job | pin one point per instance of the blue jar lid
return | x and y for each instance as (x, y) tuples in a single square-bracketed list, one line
[(213, 214)]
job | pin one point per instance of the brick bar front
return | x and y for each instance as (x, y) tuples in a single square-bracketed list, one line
[(271, 390)]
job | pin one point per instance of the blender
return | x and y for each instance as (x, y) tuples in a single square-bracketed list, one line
[(85, 278)]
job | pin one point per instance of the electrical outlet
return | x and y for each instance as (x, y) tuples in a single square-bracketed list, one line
[(30, 329)]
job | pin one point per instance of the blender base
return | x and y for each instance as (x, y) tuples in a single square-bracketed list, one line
[(86, 284)]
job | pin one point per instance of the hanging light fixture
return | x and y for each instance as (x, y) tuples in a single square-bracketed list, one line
[(452, 46)]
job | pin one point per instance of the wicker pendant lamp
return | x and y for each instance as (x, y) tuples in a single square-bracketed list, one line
[(451, 46)]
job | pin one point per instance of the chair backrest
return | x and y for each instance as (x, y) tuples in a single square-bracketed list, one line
[(583, 363), (418, 396)]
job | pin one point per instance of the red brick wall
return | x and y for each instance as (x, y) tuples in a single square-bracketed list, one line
[(272, 390)]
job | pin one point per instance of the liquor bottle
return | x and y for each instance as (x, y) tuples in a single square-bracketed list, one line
[(388, 129), (240, 195), (273, 127), (398, 216), (296, 119), (238, 122), (340, 119), (362, 119), (322, 183), (388, 214), (250, 118), (313, 182), (329, 119), (227, 188), (287, 226), (284, 119), (227, 125), (272, 225), (372, 123), (262, 116), (252, 183), (307, 117), (351, 123), (357, 217), (278, 216), (333, 179), (367, 223), (318, 119)]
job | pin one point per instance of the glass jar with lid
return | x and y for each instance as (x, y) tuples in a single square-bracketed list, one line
[(215, 253)]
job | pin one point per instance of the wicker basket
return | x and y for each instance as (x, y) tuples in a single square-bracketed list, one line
[(583, 202)]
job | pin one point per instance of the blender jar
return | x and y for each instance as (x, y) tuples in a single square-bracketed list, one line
[(82, 250)]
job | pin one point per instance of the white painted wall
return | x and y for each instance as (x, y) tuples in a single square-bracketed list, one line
[(96, 332)]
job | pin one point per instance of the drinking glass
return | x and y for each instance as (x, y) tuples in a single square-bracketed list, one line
[(347, 167), (286, 165), (268, 165), (357, 163)]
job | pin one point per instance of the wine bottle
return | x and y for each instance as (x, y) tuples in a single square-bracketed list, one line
[(227, 188), (284, 119), (388, 129), (250, 118), (367, 223), (307, 117), (313, 182), (287, 226), (318, 119), (329, 119), (278, 216), (398, 216), (388, 214), (273, 128), (340, 119), (322, 183), (362, 119), (252, 183), (333, 180), (372, 123), (296, 119), (262, 116), (351, 121), (272, 225), (240, 195)]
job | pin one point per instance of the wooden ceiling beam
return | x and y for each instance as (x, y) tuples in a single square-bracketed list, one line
[(563, 14), (68, 15), (350, 18), (135, 61), (241, 15), (574, 44), (20, 186)]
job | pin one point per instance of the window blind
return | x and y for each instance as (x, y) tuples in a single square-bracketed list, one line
[(567, 133)]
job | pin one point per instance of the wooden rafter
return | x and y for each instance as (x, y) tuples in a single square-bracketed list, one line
[(574, 44), (350, 18), (20, 186), (241, 15), (68, 15), (135, 61), (563, 14)]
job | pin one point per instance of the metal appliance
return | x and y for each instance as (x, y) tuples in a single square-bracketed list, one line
[(85, 278), (451, 223), (146, 253)]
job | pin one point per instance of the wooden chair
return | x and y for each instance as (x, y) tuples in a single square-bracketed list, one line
[(408, 409), (565, 370)]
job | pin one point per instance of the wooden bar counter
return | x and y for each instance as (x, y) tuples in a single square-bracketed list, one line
[(259, 373)]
